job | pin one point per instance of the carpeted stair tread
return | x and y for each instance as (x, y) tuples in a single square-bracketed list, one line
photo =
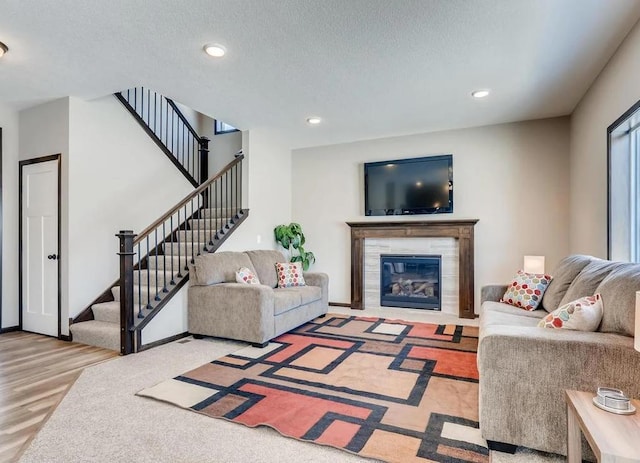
[(145, 276), (201, 236), (139, 292), (199, 224), (221, 213), (97, 333), (183, 248), (161, 262), (107, 311)]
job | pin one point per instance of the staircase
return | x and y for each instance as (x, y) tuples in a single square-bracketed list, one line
[(154, 264)]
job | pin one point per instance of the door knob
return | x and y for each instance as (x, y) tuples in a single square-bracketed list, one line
[(52, 257)]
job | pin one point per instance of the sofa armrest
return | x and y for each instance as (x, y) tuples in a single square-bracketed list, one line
[(232, 310), (525, 370), (321, 280), (492, 293)]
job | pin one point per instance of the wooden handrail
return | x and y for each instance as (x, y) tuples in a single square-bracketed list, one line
[(186, 199), (183, 118)]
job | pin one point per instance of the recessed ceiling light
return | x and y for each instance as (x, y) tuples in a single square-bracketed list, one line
[(215, 50), (3, 49), (314, 120), (480, 93)]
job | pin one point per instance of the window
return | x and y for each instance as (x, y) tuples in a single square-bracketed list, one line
[(223, 127), (624, 186)]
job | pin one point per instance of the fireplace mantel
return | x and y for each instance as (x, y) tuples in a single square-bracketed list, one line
[(462, 230)]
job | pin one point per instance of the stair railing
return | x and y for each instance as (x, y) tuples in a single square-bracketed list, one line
[(170, 130), (155, 263)]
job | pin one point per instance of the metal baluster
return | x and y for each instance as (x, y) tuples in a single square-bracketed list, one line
[(227, 205), (204, 208), (155, 111), (172, 254), (142, 103), (157, 298), (211, 211), (186, 221), (135, 99), (140, 314), (164, 258), (148, 276), (179, 241), (148, 107), (192, 230)]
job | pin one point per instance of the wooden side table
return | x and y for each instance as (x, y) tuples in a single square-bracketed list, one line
[(613, 438)]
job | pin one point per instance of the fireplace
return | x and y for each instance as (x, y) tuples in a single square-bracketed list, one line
[(411, 281)]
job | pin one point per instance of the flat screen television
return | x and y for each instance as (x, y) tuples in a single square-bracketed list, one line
[(409, 186)]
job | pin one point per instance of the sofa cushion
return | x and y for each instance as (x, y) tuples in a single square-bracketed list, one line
[(307, 294), (264, 261), (494, 317), (563, 276), (618, 291), (219, 267), (526, 290), (284, 300), (588, 280), (491, 306), (585, 314)]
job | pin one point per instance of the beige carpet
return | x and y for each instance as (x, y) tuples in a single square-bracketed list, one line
[(102, 420)]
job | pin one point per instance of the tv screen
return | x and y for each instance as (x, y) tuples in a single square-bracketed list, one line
[(409, 186)]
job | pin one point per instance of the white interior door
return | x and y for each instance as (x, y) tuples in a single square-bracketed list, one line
[(40, 248)]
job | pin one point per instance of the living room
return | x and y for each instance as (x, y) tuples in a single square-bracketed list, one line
[(529, 160)]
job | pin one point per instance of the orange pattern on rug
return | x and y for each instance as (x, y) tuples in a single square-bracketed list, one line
[(387, 389)]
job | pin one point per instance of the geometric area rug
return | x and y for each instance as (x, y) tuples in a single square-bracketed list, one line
[(387, 389)]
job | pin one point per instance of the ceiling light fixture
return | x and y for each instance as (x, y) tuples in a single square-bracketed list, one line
[(314, 120), (3, 49), (215, 50), (480, 93)]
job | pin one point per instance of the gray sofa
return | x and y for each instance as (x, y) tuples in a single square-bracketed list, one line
[(524, 370), (218, 306)]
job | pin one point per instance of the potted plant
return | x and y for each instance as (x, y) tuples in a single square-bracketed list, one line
[(292, 239)]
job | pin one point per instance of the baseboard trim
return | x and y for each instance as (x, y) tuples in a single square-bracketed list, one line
[(9, 329), (339, 304), (160, 342)]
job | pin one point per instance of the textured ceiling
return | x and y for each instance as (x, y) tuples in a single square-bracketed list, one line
[(369, 68)]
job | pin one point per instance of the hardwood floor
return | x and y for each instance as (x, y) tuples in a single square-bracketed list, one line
[(35, 373)]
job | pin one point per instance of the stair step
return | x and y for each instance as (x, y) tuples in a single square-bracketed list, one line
[(162, 262), (140, 293), (107, 311), (97, 333), (202, 236), (145, 276), (183, 248), (221, 213), (199, 224)]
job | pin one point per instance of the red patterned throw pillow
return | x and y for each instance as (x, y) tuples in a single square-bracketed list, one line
[(246, 276), (584, 314), (526, 290), (290, 274)]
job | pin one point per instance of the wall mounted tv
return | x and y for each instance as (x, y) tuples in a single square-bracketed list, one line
[(409, 186)]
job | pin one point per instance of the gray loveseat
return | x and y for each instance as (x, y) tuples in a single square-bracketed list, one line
[(218, 306), (524, 370)]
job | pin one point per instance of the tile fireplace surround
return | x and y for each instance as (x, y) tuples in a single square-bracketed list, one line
[(454, 237)]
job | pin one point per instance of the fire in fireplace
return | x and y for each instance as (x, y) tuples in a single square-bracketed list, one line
[(410, 281)]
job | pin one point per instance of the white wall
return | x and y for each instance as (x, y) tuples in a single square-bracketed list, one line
[(222, 147), (267, 193), (9, 125), (614, 91), (118, 180), (513, 177), (44, 130)]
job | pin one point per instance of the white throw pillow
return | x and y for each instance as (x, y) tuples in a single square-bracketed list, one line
[(246, 276), (584, 314)]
